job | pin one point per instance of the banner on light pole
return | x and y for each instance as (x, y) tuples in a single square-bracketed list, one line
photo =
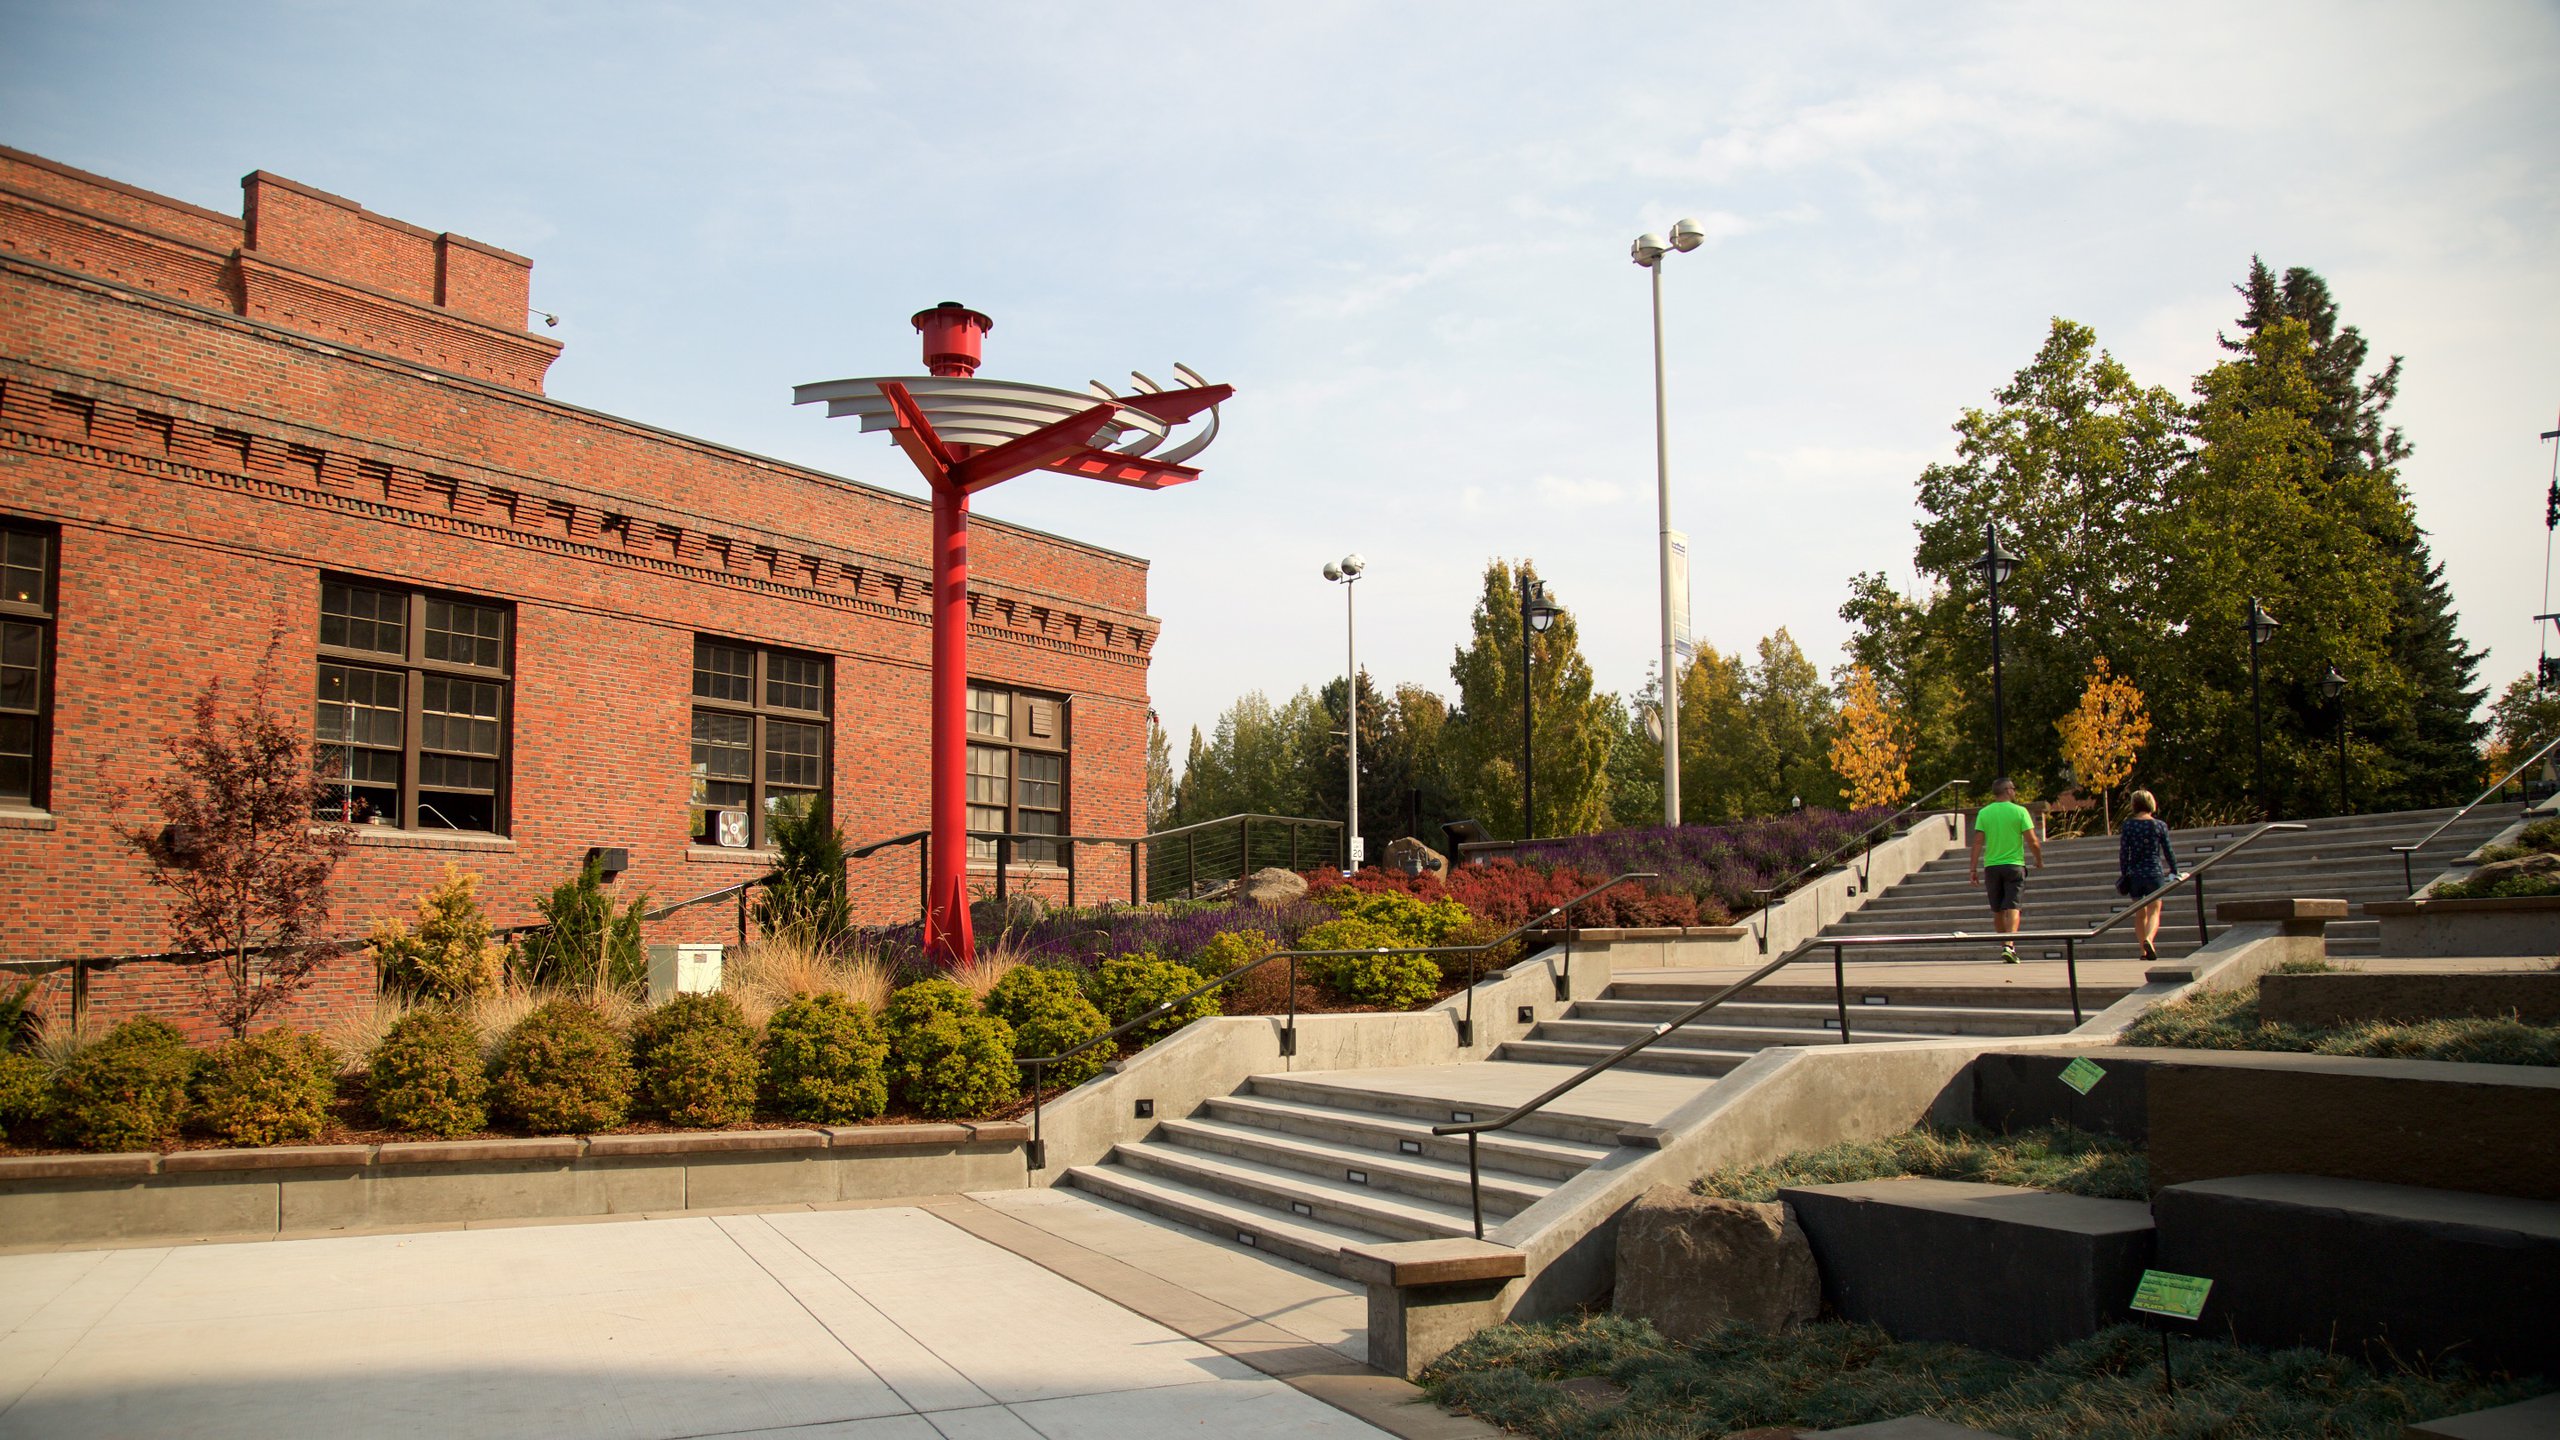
[(1681, 644)]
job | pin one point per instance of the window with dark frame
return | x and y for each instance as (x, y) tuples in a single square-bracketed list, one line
[(27, 584), (411, 708), (760, 736), (1017, 772)]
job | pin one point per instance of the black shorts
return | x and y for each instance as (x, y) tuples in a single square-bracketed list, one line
[(2004, 883)]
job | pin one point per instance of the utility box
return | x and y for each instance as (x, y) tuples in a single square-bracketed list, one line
[(683, 970)]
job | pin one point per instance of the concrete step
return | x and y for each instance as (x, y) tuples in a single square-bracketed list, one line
[(1539, 1156), (1755, 1015), (1290, 1192), (1722, 1039), (1682, 993), (1550, 1124), (1417, 1176), (1664, 1059), (1278, 1232)]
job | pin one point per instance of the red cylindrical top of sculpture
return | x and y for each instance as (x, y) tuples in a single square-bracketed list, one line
[(953, 334)]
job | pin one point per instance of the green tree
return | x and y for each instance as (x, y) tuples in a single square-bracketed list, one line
[(805, 892), (1252, 762), (1410, 772), (2421, 735), (2524, 719), (1635, 760), (1571, 739), (1162, 793), (1755, 737)]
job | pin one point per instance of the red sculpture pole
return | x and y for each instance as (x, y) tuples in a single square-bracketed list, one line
[(952, 341)]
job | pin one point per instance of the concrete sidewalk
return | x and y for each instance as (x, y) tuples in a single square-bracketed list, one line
[(857, 1324)]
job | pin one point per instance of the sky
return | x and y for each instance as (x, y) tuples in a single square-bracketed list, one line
[(1401, 232)]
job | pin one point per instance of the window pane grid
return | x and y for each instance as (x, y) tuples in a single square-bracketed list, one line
[(460, 634), (724, 672), (26, 568), (795, 682), (356, 617), (405, 746), (749, 759), (1016, 791)]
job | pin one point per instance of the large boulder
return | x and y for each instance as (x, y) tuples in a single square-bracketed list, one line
[(1271, 887), (1415, 858), (2490, 874), (1689, 1263)]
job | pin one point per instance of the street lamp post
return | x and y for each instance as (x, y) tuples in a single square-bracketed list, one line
[(1537, 613), (1346, 573), (2334, 685), (2262, 628), (1996, 565), (1648, 252)]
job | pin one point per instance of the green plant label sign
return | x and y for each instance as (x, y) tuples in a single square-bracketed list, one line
[(2180, 1297), (2082, 1073)]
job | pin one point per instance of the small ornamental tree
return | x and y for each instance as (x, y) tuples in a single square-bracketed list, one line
[(1871, 751), (246, 866), (2104, 734), (806, 891)]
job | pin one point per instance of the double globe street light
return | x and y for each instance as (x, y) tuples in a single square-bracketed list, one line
[(1537, 616), (1346, 573), (2262, 628), (1649, 251), (1996, 566)]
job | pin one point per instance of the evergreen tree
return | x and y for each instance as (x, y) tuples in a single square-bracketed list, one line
[(1571, 738), (2424, 738), (1162, 796)]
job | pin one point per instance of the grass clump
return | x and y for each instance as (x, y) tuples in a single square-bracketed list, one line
[(126, 1092), (2228, 1020), (2048, 1157), (272, 1088), (1832, 1375), (563, 1070), (824, 1061), (427, 1076), (696, 1060)]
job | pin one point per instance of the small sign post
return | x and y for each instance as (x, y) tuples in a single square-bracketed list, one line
[(2178, 1297), (2083, 1074)]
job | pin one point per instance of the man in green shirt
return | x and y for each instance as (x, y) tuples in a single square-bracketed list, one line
[(2004, 834)]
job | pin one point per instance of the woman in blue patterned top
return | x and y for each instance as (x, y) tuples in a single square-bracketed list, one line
[(2143, 865)]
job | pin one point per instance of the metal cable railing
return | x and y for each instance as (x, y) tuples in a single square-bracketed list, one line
[(1045, 855), (2069, 939), (2407, 853), (1037, 1155)]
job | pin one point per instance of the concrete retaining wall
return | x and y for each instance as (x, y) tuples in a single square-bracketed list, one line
[(2528, 925), (51, 1200), (2349, 997)]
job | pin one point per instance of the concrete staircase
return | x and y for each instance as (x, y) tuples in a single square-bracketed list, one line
[(1307, 1164), (2341, 858)]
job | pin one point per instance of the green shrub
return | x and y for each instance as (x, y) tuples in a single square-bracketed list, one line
[(127, 1092), (1230, 950), (824, 1061), (427, 1076), (1130, 986), (2229, 1020), (448, 955), (2511, 887), (24, 1100), (2044, 1157), (947, 1059), (271, 1088), (582, 925), (1395, 981), (696, 1056), (1048, 1013), (563, 1070), (1410, 920)]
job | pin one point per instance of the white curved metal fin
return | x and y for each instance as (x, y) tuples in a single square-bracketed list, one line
[(1189, 376), (1146, 384), (1101, 391), (1198, 442)]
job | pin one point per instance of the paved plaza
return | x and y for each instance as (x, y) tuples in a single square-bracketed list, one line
[(892, 1323)]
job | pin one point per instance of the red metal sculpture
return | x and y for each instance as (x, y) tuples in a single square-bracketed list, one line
[(966, 434)]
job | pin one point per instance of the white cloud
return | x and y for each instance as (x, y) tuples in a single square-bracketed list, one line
[(1577, 493)]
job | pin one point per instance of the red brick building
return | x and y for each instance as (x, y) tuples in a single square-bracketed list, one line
[(521, 628)]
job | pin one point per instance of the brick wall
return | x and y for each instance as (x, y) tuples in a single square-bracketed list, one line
[(206, 463)]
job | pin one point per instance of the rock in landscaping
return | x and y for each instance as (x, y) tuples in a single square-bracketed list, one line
[(1271, 887), (1689, 1263), (1415, 858), (2497, 870)]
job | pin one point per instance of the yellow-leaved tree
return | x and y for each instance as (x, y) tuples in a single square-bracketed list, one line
[(1871, 749), (2104, 734)]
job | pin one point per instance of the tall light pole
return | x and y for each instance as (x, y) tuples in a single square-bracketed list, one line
[(1648, 252), (2262, 628), (1996, 565), (2334, 685), (1537, 613), (1346, 573)]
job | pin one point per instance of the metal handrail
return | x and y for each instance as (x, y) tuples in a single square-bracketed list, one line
[(2408, 876), (1840, 998), (1867, 836), (1037, 1155)]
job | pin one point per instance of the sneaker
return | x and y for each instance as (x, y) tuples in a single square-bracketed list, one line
[(2008, 954)]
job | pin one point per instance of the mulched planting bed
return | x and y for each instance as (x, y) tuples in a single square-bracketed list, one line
[(2047, 1157), (1536, 1380), (2228, 1020)]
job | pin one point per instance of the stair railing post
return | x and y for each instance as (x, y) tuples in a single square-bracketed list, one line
[(1004, 854), (924, 878), (1289, 1035), (1191, 865), (1467, 1025), (2203, 936), (1034, 1156), (2071, 969), (1071, 874), (1840, 993), (1475, 1186), (1244, 846), (1134, 847), (2408, 876)]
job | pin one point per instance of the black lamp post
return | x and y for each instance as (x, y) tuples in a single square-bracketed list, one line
[(2262, 628), (1537, 614), (1996, 565), (2334, 685)]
